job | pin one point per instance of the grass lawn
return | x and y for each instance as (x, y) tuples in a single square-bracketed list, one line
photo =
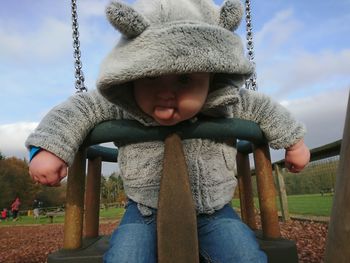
[(312, 204), (110, 213), (315, 205)]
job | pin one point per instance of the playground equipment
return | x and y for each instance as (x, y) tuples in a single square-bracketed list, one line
[(176, 232), (92, 247), (338, 239)]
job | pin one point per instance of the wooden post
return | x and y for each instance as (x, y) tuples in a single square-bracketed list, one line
[(266, 191), (73, 221), (92, 197), (177, 238), (282, 194), (246, 190), (338, 239)]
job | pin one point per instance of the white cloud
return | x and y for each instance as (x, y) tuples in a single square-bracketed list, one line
[(304, 70), (50, 36), (91, 8), (285, 67), (13, 136), (45, 43), (323, 115), (276, 33)]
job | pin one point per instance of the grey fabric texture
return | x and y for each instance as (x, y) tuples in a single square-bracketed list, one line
[(164, 37), (211, 164)]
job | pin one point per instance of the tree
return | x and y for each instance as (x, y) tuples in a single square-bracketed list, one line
[(2, 157), (15, 180), (112, 189)]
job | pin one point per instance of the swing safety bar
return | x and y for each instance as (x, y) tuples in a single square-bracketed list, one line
[(125, 131)]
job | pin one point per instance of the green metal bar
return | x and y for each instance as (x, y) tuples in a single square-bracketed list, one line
[(106, 154), (111, 154), (244, 147), (126, 131), (319, 153)]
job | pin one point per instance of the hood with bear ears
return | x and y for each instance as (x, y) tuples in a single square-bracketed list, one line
[(170, 37)]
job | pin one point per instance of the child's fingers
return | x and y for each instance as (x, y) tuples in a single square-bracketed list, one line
[(48, 180), (34, 178), (63, 172), (294, 168)]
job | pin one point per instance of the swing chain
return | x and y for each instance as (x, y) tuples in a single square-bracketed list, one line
[(79, 75), (251, 82)]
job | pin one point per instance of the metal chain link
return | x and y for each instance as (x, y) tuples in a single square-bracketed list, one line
[(251, 82), (79, 75)]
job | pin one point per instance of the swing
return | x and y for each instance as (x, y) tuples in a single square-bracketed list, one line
[(176, 232)]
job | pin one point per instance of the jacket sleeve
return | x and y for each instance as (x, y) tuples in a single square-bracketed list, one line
[(65, 127), (276, 122)]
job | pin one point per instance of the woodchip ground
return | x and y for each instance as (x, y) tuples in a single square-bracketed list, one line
[(32, 243)]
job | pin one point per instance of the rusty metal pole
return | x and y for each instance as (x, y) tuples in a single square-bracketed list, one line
[(177, 238), (338, 239), (92, 197), (245, 178), (266, 191), (73, 221), (241, 197)]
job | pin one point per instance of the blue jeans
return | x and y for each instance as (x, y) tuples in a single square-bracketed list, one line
[(222, 236)]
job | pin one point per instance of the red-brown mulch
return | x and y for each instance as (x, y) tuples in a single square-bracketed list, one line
[(28, 244)]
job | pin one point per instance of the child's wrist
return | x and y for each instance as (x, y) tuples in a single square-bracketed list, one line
[(296, 146), (33, 151)]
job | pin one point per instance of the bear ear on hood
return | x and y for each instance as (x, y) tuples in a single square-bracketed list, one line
[(126, 19), (231, 14)]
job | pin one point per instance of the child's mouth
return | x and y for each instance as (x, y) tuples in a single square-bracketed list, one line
[(164, 113)]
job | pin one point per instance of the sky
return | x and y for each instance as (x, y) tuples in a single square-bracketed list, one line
[(302, 57)]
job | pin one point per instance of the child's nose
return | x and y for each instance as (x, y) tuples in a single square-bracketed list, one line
[(166, 94)]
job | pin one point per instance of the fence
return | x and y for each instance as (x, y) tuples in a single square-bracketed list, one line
[(318, 177)]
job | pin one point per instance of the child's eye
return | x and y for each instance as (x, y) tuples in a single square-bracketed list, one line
[(184, 79)]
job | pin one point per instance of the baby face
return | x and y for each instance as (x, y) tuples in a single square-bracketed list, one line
[(170, 99)]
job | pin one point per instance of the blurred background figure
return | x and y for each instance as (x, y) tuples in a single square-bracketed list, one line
[(15, 208), (4, 214)]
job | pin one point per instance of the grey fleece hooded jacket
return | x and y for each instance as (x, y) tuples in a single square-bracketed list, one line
[(170, 37), (211, 164)]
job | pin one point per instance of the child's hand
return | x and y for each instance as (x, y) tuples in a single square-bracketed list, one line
[(46, 168), (297, 157)]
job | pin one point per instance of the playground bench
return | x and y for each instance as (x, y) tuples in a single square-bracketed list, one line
[(53, 214)]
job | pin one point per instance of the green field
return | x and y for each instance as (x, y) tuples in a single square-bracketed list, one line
[(111, 213), (313, 205)]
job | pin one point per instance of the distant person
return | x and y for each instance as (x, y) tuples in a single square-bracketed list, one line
[(36, 208), (15, 208), (4, 214)]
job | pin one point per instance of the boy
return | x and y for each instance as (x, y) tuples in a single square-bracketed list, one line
[(176, 61)]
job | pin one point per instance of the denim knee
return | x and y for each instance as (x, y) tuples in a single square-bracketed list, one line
[(135, 239), (223, 237)]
